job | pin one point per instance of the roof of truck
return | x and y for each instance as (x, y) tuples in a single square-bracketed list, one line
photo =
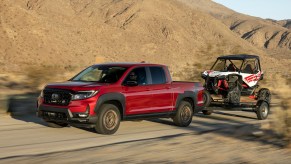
[(239, 57), (130, 64)]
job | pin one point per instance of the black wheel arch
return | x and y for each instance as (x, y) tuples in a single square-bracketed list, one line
[(115, 98), (189, 96)]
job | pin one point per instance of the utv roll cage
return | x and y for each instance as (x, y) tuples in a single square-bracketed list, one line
[(242, 57)]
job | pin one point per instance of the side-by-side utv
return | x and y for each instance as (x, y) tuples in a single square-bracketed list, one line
[(232, 83)]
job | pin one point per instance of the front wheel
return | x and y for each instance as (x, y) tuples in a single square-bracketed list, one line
[(264, 94), (108, 119), (184, 114), (206, 98)]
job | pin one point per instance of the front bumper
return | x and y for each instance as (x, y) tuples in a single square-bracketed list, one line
[(64, 115)]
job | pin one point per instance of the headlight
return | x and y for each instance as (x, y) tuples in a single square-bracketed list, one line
[(83, 95)]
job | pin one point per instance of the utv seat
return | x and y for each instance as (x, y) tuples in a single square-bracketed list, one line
[(248, 69)]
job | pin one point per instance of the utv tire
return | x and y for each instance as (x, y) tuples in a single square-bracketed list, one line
[(207, 112), (184, 114), (263, 110), (264, 94), (56, 125), (108, 119), (206, 98)]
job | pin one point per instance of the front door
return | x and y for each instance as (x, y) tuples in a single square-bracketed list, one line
[(137, 92)]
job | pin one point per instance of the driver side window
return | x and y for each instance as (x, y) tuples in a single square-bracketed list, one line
[(137, 75)]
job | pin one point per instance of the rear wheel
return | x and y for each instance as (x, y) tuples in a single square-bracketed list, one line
[(56, 125), (108, 119), (263, 110), (184, 114)]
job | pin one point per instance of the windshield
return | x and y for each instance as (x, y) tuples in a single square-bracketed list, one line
[(101, 74), (224, 65)]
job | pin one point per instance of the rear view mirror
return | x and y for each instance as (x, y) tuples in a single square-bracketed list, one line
[(131, 83)]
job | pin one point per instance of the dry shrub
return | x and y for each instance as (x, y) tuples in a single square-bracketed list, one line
[(192, 72), (38, 77), (282, 109)]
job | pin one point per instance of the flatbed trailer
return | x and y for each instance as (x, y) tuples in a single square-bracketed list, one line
[(260, 107)]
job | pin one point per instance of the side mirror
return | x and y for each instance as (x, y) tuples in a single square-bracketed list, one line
[(131, 83)]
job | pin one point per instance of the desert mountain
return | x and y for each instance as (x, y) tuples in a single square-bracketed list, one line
[(284, 23), (70, 34), (272, 35)]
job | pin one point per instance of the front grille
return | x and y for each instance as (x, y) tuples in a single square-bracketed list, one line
[(54, 115), (57, 97)]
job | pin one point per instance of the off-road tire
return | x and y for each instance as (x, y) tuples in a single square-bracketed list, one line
[(264, 94), (233, 97), (184, 114), (206, 98), (56, 125), (263, 110), (108, 120)]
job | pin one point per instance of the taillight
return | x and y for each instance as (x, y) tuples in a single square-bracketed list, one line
[(200, 98)]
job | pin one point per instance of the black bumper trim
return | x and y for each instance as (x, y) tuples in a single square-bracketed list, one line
[(90, 121)]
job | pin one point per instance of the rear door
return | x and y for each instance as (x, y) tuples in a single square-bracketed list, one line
[(160, 86)]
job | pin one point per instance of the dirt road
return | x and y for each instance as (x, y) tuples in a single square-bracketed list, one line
[(26, 138)]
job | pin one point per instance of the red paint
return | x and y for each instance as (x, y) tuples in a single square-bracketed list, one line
[(152, 98)]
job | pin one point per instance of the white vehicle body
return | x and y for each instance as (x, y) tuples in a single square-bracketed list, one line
[(250, 79)]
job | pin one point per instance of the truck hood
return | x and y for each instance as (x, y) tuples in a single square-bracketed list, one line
[(76, 85)]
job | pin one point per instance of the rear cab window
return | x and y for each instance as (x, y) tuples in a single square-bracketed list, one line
[(158, 75)]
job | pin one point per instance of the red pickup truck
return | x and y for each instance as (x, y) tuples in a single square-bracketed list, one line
[(102, 95)]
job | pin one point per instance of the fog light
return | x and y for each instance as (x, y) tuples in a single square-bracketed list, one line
[(83, 115), (86, 114)]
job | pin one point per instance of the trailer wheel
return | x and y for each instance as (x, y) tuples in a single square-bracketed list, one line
[(263, 110)]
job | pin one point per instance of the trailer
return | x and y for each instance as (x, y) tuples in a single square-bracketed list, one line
[(232, 83)]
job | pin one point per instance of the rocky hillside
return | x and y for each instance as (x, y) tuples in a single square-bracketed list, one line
[(283, 23), (274, 36), (72, 34)]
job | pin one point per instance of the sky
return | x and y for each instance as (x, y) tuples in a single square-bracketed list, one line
[(274, 9)]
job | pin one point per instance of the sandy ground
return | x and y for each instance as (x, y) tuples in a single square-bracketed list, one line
[(224, 137), (189, 148)]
